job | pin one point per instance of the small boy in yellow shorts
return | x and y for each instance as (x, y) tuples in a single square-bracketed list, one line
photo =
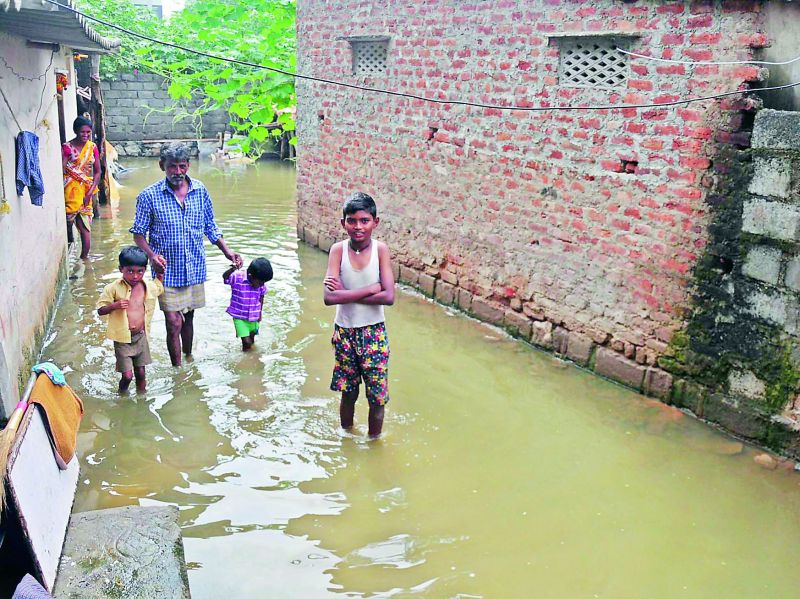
[(129, 303)]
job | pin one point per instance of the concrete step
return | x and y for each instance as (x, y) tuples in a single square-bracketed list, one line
[(127, 551)]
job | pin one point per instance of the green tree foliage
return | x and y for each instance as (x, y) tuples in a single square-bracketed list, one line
[(256, 31)]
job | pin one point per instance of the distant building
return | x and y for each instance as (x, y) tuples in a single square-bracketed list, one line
[(155, 5)]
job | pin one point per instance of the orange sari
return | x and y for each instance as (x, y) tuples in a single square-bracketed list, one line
[(78, 178)]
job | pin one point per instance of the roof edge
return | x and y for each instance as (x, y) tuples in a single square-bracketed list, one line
[(107, 43)]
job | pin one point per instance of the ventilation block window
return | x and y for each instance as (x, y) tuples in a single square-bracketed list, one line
[(591, 62), (369, 55)]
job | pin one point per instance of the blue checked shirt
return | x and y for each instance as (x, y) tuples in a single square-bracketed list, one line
[(177, 233)]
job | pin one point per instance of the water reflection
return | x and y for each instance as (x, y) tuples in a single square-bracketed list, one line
[(502, 472)]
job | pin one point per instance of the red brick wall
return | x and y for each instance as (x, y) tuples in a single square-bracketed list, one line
[(524, 217)]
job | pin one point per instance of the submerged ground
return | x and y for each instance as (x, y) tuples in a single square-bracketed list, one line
[(503, 472)]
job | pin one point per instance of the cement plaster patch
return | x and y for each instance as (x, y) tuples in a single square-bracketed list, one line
[(777, 130), (764, 264), (771, 307), (792, 278), (744, 383), (771, 177), (771, 219)]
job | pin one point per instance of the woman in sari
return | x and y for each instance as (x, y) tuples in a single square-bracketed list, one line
[(81, 161)]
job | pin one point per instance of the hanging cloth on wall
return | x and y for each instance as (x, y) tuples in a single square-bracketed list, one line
[(28, 172), (63, 411)]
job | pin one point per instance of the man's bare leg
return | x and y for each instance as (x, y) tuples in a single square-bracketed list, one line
[(187, 332), (347, 408), (174, 322)]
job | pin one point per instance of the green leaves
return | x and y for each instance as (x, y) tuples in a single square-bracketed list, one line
[(178, 90), (256, 31)]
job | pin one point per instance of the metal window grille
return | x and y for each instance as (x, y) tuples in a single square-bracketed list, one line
[(369, 57), (592, 62)]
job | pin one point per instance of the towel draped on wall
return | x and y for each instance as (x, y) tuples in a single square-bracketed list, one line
[(29, 174)]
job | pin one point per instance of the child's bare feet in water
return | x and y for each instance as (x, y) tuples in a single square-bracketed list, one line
[(125, 381), (141, 381)]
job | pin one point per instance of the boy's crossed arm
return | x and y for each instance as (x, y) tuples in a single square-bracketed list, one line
[(377, 293), (385, 296)]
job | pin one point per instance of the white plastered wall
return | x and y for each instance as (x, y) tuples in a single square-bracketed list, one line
[(32, 238)]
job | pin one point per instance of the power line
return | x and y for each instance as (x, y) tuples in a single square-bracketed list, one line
[(414, 96), (44, 89), (20, 76), (708, 62)]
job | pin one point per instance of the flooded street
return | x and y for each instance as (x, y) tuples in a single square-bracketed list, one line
[(503, 472)]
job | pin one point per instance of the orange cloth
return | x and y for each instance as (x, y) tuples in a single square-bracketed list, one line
[(63, 411)]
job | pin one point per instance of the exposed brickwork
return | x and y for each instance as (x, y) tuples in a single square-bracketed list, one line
[(589, 220), (579, 232)]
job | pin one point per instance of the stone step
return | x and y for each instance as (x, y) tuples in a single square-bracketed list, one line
[(129, 551)]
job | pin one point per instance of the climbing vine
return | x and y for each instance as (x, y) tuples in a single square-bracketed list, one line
[(255, 31)]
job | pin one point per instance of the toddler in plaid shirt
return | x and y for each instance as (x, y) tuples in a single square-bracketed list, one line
[(247, 298)]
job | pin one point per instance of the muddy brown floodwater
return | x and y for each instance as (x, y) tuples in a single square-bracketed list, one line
[(503, 472)]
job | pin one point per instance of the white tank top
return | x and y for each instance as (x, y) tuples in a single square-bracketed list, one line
[(355, 315)]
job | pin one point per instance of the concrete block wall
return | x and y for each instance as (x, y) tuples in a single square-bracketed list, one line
[(738, 360), (138, 107), (588, 222), (771, 217)]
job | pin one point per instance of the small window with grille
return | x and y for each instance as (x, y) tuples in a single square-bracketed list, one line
[(591, 62), (369, 55)]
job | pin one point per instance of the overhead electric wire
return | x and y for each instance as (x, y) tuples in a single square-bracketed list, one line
[(414, 96), (708, 62)]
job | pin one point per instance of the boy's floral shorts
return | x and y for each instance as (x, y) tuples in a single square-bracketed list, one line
[(362, 353)]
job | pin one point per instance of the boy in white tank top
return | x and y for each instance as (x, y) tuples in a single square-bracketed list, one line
[(360, 282)]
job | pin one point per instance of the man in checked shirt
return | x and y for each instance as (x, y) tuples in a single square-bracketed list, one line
[(171, 218)]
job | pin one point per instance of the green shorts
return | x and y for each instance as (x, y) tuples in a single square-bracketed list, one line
[(245, 328)]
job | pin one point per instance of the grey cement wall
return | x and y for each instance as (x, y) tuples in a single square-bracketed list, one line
[(771, 215), (138, 108), (742, 342)]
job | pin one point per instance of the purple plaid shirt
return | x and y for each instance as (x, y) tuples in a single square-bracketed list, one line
[(245, 300)]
